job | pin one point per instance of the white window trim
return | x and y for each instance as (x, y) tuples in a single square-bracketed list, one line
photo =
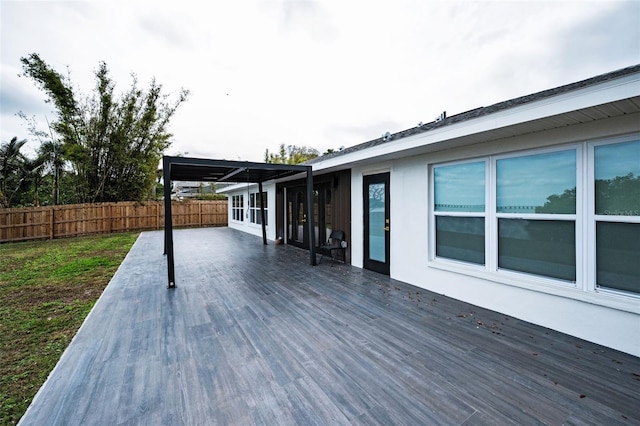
[(433, 214), (593, 218), (256, 210), (575, 218), (585, 219), (239, 210)]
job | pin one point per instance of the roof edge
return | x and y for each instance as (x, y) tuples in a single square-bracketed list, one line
[(484, 111)]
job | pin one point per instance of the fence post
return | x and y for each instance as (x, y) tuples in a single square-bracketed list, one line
[(52, 223), (110, 218)]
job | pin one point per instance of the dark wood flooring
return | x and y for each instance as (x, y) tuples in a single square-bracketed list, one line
[(254, 335)]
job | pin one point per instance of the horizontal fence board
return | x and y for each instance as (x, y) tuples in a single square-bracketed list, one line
[(73, 220)]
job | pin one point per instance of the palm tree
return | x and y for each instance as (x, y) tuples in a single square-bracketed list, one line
[(32, 175), (51, 155), (12, 167)]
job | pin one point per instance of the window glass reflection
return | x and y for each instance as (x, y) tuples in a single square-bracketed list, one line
[(460, 238), (541, 183), (617, 175), (302, 217), (617, 256), (377, 245), (316, 215), (460, 188), (541, 247)]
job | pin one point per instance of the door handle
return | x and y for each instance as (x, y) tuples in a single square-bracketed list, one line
[(386, 228)]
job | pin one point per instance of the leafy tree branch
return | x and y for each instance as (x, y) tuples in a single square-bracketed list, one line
[(112, 142)]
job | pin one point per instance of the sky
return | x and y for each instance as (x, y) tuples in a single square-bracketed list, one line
[(319, 73)]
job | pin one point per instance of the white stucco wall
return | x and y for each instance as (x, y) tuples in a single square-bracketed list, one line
[(608, 319), (246, 225)]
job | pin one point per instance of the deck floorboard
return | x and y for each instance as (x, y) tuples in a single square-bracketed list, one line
[(254, 335)]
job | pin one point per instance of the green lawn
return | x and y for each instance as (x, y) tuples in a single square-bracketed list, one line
[(47, 288)]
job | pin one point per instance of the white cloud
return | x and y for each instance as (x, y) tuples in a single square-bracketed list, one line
[(319, 73)]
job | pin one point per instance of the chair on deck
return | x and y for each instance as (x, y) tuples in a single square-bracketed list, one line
[(335, 245)]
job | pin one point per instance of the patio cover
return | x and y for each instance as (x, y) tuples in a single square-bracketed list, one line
[(205, 170)]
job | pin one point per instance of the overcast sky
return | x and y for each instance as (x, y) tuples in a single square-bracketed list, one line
[(324, 74)]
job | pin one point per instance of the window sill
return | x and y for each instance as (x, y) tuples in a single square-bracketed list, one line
[(620, 301)]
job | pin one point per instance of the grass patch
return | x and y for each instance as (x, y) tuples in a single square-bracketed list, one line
[(47, 288)]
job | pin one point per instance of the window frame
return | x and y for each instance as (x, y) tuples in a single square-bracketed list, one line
[(254, 208), (495, 216), (237, 208), (592, 218), (433, 213), (585, 219)]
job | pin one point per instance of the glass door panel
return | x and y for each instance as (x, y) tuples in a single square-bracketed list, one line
[(298, 233), (301, 217), (377, 223)]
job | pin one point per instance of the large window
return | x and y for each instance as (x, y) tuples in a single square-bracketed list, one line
[(616, 189), (535, 208), (237, 208), (570, 215), (254, 208), (459, 194)]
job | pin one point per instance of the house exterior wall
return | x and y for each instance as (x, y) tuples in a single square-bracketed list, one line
[(578, 118), (340, 187), (609, 319), (245, 225)]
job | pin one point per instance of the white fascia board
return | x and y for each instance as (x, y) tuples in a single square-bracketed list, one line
[(609, 91)]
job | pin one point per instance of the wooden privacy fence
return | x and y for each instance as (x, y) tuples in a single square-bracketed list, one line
[(103, 218)]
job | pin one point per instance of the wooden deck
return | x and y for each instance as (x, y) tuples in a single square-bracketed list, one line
[(255, 335)]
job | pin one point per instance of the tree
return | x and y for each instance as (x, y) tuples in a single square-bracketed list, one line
[(331, 150), (564, 203), (50, 153), (33, 178), (12, 170), (292, 154), (618, 196), (112, 142)]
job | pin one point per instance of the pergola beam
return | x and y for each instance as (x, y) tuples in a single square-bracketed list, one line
[(262, 221), (200, 169), (232, 174), (310, 217), (168, 223)]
